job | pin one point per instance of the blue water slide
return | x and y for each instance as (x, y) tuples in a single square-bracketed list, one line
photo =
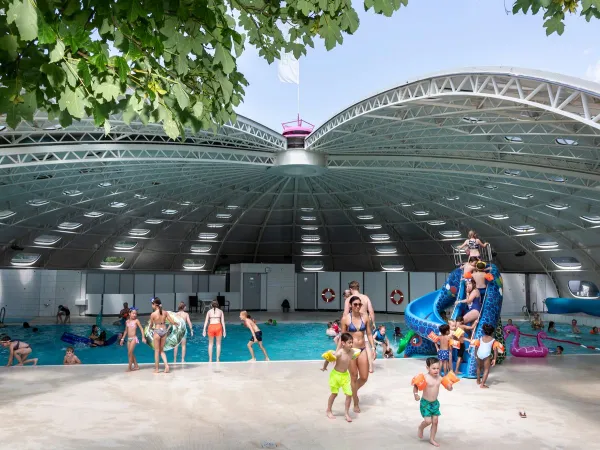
[(422, 315), (573, 306)]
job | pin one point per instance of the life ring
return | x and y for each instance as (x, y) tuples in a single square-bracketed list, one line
[(328, 299), (174, 338), (393, 296)]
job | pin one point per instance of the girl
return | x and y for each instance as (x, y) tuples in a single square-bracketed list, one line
[(19, 350), (474, 244), (215, 320), (158, 322), (473, 301), (131, 326), (551, 327), (487, 353), (186, 318)]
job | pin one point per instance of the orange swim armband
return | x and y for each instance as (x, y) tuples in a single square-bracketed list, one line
[(498, 346), (454, 343), (449, 379), (475, 343), (434, 337), (419, 382), (458, 333)]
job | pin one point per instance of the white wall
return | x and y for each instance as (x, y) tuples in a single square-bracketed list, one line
[(276, 285), (540, 288)]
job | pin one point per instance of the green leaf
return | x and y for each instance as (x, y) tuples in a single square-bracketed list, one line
[(129, 114), (65, 119), (108, 91), (122, 68), (182, 66), (106, 127), (56, 76), (554, 25), (21, 110), (8, 43), (58, 52), (170, 127), (329, 31), (181, 96), (350, 21), (46, 34), (106, 27), (135, 10), (198, 109), (73, 102), (24, 15), (71, 71), (84, 72), (99, 114), (223, 57)]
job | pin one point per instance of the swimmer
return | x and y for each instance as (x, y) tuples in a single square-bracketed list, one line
[(215, 321), (559, 350), (473, 302), (473, 244), (358, 325), (510, 322), (551, 327), (486, 354), (381, 339), (131, 326), (430, 405), (18, 349), (123, 315), (479, 277), (367, 308), (70, 358), (443, 349), (186, 319), (398, 333), (256, 335), (97, 336), (158, 322), (536, 322), (63, 315), (340, 376), (574, 328), (594, 330)]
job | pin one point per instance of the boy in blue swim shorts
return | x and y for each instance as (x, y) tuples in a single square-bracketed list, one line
[(339, 378), (444, 353), (429, 405)]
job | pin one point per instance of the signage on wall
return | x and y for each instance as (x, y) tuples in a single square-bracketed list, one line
[(396, 297), (328, 295)]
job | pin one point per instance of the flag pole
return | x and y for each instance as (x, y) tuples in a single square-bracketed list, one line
[(298, 92)]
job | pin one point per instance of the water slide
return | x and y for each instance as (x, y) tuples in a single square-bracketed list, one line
[(423, 315), (573, 306)]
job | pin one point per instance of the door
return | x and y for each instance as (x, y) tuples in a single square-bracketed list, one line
[(251, 289), (306, 291)]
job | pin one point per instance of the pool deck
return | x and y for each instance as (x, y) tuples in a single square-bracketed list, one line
[(248, 405)]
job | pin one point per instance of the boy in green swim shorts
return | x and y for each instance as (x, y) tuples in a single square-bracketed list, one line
[(339, 376), (429, 383)]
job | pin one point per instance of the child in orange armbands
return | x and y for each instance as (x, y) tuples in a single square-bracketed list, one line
[(443, 348), (429, 383), (487, 353)]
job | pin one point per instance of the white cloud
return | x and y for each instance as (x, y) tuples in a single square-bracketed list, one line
[(588, 51), (593, 72)]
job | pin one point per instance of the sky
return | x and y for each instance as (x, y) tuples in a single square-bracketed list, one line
[(427, 36)]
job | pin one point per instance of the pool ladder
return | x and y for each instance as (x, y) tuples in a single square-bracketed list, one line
[(460, 256), (2, 315)]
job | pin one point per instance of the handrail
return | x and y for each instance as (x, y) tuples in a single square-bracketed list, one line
[(2, 314), (485, 254), (526, 313)]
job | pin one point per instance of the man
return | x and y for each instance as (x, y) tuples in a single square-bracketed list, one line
[(367, 308), (123, 315)]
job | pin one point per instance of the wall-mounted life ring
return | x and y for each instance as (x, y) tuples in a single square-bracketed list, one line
[(393, 299), (328, 298)]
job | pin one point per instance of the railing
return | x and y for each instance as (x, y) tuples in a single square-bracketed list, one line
[(526, 313), (460, 256), (2, 314)]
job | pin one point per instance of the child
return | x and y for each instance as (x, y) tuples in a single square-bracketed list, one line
[(398, 333), (131, 326), (485, 347), (551, 327), (559, 350), (256, 335), (430, 405), (594, 330), (19, 350), (380, 338), (537, 323), (510, 322), (574, 328), (389, 354), (70, 357), (457, 329), (443, 348), (340, 376)]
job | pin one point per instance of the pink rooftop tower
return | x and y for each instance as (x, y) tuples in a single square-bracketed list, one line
[(296, 132)]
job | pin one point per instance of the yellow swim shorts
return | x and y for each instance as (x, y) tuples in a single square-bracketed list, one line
[(339, 380)]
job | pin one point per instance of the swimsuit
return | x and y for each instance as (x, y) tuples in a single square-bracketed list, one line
[(485, 349), (473, 244), (258, 336), (429, 409), (134, 339), (378, 336), (216, 330), (461, 350), (443, 355), (339, 380), (160, 332), (482, 292), (352, 328), (476, 305), (18, 345)]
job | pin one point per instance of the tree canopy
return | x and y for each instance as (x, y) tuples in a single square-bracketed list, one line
[(171, 62)]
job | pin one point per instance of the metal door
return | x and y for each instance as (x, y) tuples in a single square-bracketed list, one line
[(306, 295), (251, 300)]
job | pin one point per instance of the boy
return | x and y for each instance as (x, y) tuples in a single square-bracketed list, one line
[(380, 338), (19, 350), (574, 328), (340, 376), (430, 405), (487, 353), (443, 348), (559, 350), (256, 335), (70, 357)]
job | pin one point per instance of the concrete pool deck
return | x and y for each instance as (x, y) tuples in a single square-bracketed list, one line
[(253, 405)]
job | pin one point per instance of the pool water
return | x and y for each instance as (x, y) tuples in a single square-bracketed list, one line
[(297, 341), (563, 331)]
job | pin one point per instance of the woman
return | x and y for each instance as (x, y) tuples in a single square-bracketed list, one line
[(473, 244), (215, 320), (357, 324), (158, 323), (98, 337), (473, 301), (186, 318)]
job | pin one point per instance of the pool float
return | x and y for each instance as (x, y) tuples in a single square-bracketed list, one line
[(73, 339), (330, 332), (330, 357), (530, 351), (405, 341), (174, 338), (589, 347)]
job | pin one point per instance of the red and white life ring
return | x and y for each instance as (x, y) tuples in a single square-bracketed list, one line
[(325, 297), (393, 298)]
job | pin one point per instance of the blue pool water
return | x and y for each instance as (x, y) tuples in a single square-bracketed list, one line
[(298, 341)]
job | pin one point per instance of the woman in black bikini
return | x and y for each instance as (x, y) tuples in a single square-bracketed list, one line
[(19, 350), (158, 323), (358, 324)]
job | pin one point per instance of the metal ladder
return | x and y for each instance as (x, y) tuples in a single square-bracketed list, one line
[(460, 256), (526, 313), (2, 315)]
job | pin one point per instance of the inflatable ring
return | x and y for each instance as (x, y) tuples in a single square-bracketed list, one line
[(174, 338), (393, 296), (328, 299), (416, 341)]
